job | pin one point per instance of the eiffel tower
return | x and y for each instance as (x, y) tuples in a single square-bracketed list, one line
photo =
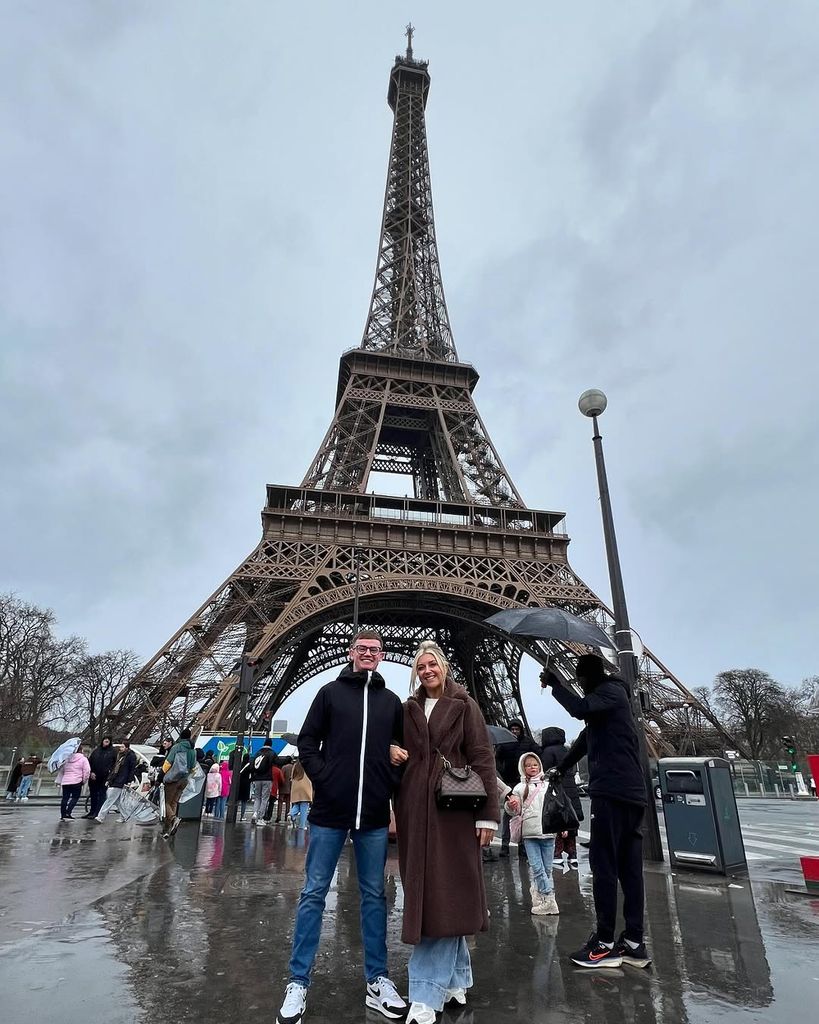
[(436, 564)]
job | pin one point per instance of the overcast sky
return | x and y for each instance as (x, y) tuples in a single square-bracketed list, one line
[(625, 198)]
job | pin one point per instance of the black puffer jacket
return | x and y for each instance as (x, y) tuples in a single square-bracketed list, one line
[(102, 761), (124, 769), (349, 727), (554, 751)]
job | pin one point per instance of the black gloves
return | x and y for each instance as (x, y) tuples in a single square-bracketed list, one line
[(549, 678)]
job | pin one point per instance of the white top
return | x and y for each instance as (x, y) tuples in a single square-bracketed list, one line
[(429, 704)]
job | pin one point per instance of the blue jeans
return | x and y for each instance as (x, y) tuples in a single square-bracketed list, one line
[(299, 812), (541, 854), (24, 787), (437, 965), (323, 853), (221, 804)]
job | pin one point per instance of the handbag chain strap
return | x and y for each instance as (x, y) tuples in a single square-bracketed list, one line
[(447, 764)]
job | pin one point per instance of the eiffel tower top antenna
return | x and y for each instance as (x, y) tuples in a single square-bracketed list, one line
[(408, 315)]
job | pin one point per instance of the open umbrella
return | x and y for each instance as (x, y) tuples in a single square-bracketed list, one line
[(550, 624), (498, 735), (62, 753)]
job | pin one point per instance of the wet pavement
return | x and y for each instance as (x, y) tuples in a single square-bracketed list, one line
[(111, 923)]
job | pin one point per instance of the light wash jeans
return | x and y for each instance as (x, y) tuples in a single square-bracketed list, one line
[(323, 853), (541, 854), (24, 787), (437, 965), (299, 812), (261, 794), (221, 804)]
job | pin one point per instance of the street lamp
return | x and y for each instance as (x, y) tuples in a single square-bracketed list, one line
[(592, 403)]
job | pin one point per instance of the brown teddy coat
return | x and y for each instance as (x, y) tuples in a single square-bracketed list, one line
[(438, 851)]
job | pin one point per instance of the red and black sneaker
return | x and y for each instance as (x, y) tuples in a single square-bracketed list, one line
[(596, 954), (634, 956)]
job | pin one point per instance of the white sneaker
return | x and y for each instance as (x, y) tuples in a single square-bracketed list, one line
[(420, 1013), (383, 996), (455, 995), (539, 903), (549, 904), (295, 1001)]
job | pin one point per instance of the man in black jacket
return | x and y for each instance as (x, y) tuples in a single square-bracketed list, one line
[(122, 775), (344, 746), (101, 761), (618, 799), (507, 761)]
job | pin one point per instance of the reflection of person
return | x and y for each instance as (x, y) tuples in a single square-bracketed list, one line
[(301, 796), (439, 850), (618, 798), (344, 746), (527, 802)]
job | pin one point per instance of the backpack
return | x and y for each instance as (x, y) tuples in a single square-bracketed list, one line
[(179, 768), (261, 765)]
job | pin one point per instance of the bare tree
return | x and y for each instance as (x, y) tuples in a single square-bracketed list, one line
[(752, 703), (95, 680), (34, 668)]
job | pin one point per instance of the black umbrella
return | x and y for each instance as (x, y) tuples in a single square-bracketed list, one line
[(291, 737), (498, 735), (550, 624)]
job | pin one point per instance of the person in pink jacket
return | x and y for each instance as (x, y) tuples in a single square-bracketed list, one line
[(221, 803), (213, 788), (73, 774)]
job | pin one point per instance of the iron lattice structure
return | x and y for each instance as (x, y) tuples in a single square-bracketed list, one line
[(432, 565)]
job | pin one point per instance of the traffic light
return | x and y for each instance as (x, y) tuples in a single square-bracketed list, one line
[(789, 743)]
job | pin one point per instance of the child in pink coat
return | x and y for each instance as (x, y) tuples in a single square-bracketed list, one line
[(213, 788), (74, 773), (221, 803)]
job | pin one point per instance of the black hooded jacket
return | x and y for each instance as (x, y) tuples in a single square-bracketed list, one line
[(508, 755), (553, 753), (344, 746), (609, 740)]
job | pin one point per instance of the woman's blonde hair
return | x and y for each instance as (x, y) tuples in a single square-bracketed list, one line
[(424, 648)]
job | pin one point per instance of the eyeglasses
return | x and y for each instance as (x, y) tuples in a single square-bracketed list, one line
[(364, 649)]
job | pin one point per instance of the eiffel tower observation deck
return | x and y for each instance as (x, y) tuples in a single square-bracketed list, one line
[(434, 565)]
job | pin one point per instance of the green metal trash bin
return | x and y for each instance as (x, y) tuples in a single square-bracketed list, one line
[(700, 810)]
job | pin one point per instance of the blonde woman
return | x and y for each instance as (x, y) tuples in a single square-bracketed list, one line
[(440, 850)]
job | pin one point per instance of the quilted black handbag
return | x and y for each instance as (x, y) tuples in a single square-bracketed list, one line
[(459, 789)]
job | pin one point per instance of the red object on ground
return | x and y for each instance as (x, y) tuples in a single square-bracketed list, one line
[(810, 869)]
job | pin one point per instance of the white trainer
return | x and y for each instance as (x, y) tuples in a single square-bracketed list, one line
[(383, 996), (295, 1001), (420, 1013), (455, 995)]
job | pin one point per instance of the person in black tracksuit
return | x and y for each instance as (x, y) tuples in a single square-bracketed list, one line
[(554, 750), (618, 801), (344, 747)]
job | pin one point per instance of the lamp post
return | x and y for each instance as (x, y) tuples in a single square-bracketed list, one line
[(593, 403)]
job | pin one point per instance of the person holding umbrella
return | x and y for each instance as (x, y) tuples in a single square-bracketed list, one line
[(618, 797)]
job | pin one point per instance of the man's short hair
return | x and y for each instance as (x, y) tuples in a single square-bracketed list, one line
[(268, 742), (185, 734), (126, 744), (366, 634)]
